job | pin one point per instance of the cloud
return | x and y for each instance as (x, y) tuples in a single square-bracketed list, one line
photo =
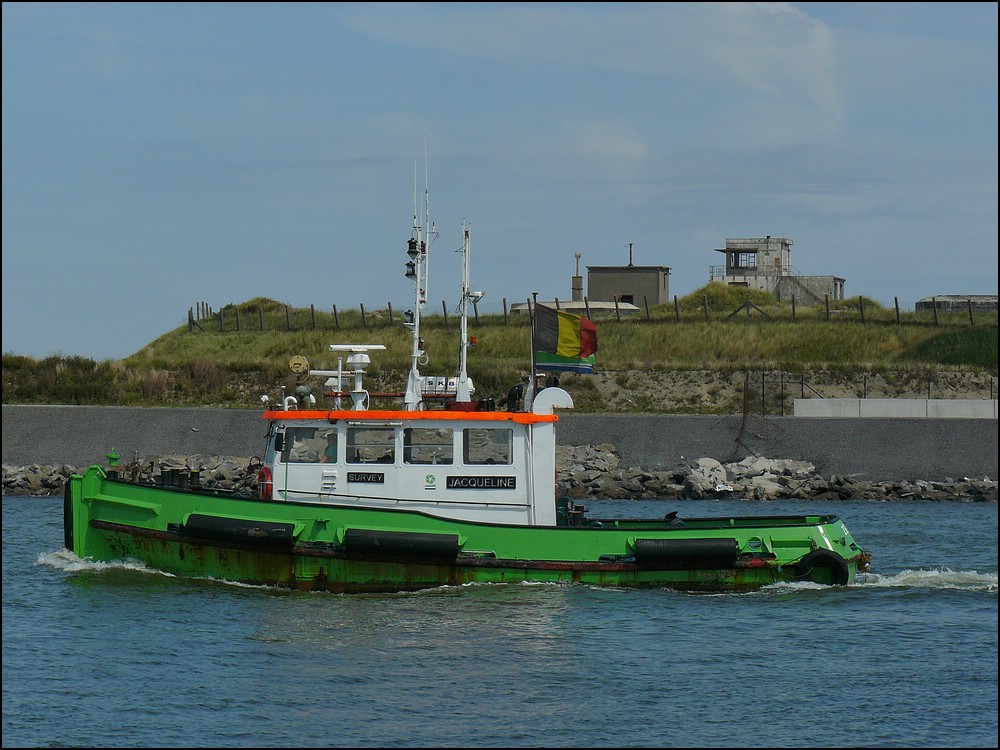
[(777, 65)]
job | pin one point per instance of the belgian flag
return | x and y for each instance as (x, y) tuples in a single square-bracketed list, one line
[(563, 341)]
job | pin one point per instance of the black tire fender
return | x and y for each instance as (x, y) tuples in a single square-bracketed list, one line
[(68, 516), (824, 557)]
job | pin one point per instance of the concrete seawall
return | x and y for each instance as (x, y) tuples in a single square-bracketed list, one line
[(873, 449)]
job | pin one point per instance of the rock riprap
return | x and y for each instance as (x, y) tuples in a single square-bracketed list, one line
[(583, 472)]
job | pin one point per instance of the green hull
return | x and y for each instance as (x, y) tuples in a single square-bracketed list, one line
[(326, 547)]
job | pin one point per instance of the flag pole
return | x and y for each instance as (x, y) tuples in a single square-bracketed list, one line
[(529, 393)]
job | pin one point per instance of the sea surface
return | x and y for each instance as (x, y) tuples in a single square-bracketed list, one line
[(101, 655)]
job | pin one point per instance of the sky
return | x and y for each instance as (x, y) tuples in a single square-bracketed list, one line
[(157, 157)]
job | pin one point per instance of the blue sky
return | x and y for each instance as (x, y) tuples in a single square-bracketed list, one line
[(160, 155)]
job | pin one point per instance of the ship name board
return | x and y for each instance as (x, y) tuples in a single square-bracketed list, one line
[(366, 477), (481, 483)]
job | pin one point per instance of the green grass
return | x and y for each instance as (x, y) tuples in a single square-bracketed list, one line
[(244, 350)]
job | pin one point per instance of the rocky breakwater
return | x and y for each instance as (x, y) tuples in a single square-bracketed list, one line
[(583, 472), (209, 472), (595, 472)]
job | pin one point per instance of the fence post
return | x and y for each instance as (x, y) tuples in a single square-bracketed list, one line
[(506, 320), (260, 315), (896, 301), (677, 310), (444, 310), (312, 311), (827, 307), (288, 319), (704, 304), (934, 301), (237, 318), (793, 308), (364, 320), (645, 301), (586, 305), (971, 323), (861, 302), (389, 305), (336, 319), (763, 403)]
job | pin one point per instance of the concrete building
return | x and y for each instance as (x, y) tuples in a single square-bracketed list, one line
[(765, 263), (634, 285), (980, 303), (619, 302)]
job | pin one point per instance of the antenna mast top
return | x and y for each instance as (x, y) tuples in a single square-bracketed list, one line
[(417, 270)]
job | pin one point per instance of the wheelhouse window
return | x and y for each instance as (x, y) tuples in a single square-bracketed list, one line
[(367, 445), (428, 445), (487, 446), (303, 445)]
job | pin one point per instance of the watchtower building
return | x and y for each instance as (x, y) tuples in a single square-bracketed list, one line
[(765, 263)]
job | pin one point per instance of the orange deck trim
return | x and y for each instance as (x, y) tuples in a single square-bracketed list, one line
[(383, 415)]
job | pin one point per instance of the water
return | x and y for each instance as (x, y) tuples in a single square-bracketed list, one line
[(121, 656)]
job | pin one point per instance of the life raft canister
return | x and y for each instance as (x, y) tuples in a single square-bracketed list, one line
[(265, 484)]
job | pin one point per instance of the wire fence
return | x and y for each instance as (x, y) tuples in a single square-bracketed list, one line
[(774, 392), (203, 318)]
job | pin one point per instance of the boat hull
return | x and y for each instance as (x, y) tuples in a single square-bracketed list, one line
[(327, 547)]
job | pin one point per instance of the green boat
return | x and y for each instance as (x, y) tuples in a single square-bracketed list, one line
[(437, 489)]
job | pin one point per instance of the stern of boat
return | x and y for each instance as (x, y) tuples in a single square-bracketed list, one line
[(836, 558)]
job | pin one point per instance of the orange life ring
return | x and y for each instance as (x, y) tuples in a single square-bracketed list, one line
[(265, 484)]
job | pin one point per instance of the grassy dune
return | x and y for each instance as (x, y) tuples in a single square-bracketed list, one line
[(697, 356)]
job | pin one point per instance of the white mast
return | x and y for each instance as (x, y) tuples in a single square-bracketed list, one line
[(462, 394), (416, 269)]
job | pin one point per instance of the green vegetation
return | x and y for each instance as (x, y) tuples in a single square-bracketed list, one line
[(243, 351)]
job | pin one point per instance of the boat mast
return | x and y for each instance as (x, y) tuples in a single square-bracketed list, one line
[(462, 394), (416, 270)]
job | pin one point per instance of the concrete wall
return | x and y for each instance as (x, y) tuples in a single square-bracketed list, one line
[(872, 449), (83, 435), (935, 408)]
